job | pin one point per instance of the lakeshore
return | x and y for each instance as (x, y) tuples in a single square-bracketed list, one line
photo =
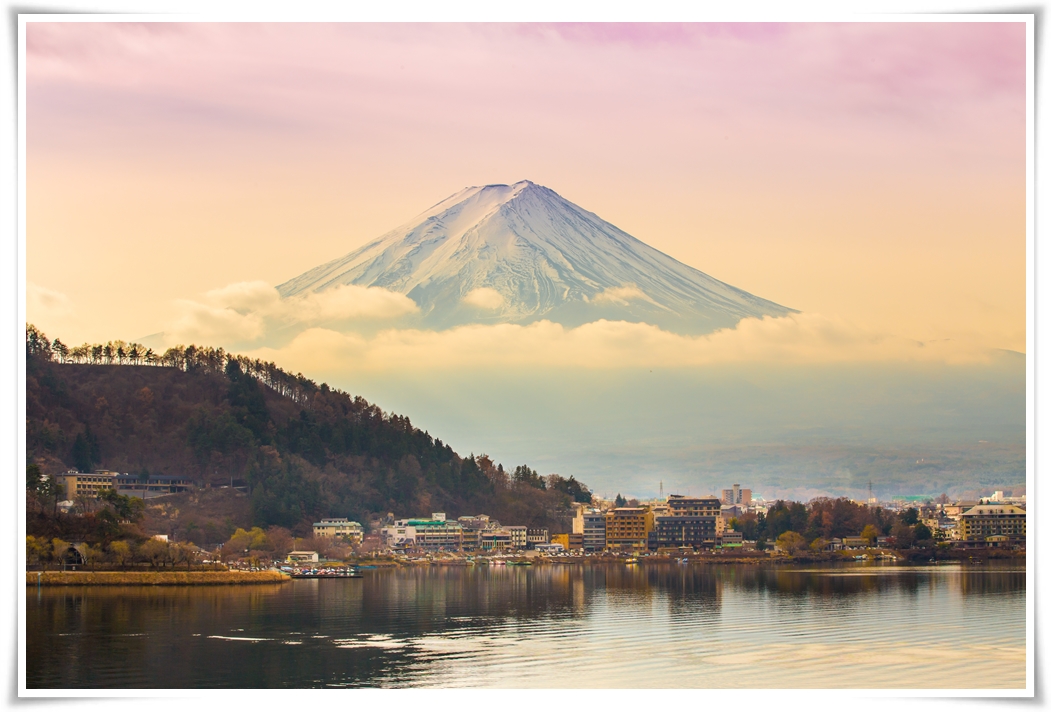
[(738, 557), (235, 576), (152, 578)]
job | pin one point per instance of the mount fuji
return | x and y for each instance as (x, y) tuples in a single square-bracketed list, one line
[(522, 253)]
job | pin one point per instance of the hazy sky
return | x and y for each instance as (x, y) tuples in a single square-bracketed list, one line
[(870, 175)]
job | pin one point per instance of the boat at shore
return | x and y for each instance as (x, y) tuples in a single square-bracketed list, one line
[(325, 574)]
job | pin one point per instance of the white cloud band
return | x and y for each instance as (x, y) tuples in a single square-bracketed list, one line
[(799, 338)]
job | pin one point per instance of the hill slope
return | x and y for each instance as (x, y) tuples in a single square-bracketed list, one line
[(303, 451), (520, 253)]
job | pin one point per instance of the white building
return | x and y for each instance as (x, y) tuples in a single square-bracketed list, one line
[(519, 536), (434, 534), (400, 535), (339, 528)]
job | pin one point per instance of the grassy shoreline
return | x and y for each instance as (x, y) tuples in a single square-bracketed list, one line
[(152, 578)]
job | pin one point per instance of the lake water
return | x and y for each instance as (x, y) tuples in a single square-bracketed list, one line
[(601, 626)]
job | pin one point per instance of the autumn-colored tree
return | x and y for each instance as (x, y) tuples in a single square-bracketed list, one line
[(819, 544), (791, 542), (333, 548), (92, 554), (155, 551), (871, 533), (243, 542), (59, 547), (184, 553), (37, 550), (281, 541), (121, 553)]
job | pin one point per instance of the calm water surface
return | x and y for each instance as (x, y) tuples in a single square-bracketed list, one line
[(603, 626)]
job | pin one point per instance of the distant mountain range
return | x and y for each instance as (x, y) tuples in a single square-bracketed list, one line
[(522, 253)]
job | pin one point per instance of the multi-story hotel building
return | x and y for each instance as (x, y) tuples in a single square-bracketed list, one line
[(536, 536), (628, 528), (519, 536), (594, 534), (495, 540), (694, 506), (694, 522), (999, 520), (434, 534), (339, 528), (472, 528), (679, 532), (84, 484)]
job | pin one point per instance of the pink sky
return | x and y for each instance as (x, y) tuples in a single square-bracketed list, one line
[(870, 171)]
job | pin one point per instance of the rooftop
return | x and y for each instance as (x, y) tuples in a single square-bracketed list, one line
[(993, 509)]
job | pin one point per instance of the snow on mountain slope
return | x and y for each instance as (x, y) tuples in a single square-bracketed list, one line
[(521, 253)]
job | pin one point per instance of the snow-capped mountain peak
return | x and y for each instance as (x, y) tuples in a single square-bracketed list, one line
[(520, 253)]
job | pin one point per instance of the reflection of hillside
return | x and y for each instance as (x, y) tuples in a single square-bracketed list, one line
[(123, 636)]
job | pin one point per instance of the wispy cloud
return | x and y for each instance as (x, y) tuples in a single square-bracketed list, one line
[(249, 311), (45, 303), (207, 324)]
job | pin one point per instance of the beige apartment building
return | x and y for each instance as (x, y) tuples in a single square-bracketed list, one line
[(339, 528), (993, 520), (85, 484)]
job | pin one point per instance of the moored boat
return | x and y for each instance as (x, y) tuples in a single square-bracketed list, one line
[(325, 574)]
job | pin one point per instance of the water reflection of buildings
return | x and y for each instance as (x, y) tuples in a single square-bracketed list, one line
[(373, 630)]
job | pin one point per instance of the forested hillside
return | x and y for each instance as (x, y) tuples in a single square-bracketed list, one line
[(302, 450)]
